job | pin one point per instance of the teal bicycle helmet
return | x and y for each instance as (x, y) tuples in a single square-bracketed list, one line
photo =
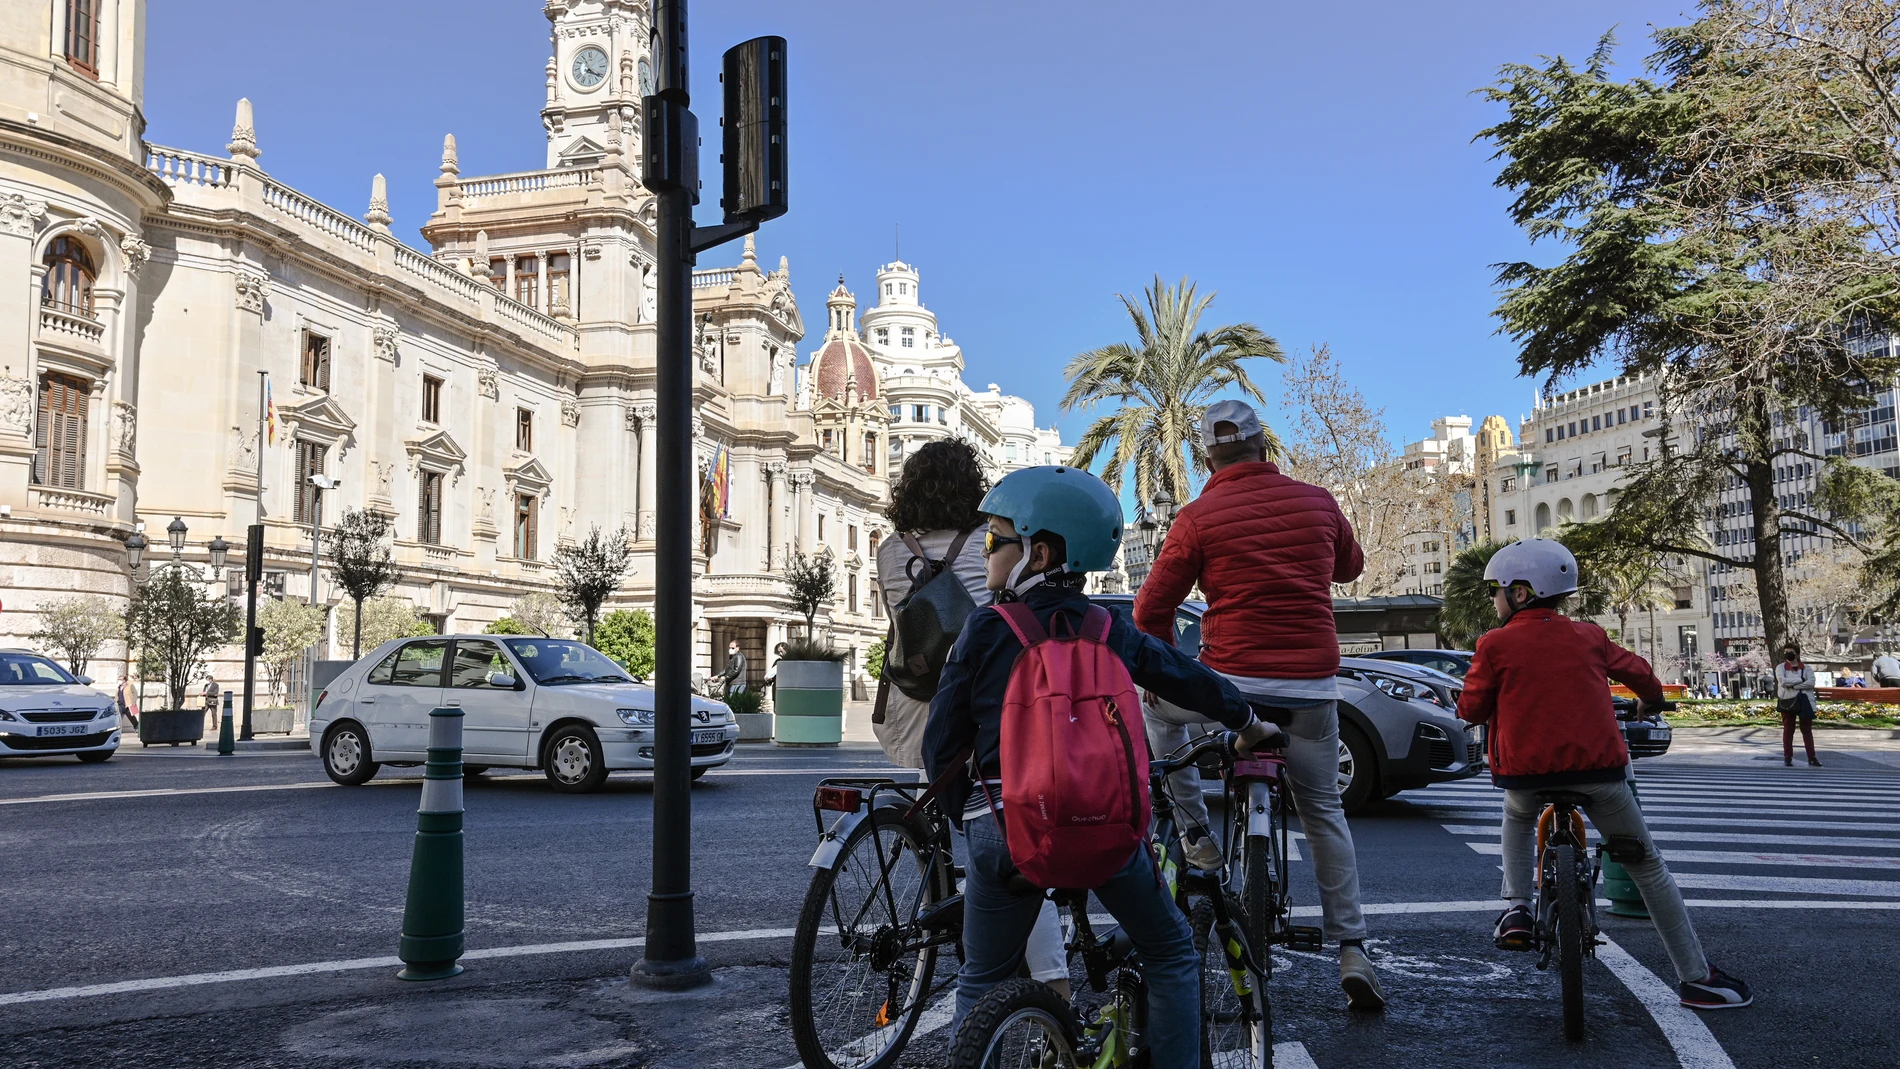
[(1061, 501)]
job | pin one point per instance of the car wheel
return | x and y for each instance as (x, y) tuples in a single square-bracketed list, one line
[(574, 762), (1358, 770), (95, 757), (472, 771), (346, 755)]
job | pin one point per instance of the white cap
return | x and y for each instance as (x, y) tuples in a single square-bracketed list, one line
[(1239, 413)]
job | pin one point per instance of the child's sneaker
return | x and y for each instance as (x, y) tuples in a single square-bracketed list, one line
[(1515, 930), (1202, 851), (1719, 992)]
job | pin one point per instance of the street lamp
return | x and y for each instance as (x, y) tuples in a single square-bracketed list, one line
[(175, 530), (220, 550), (321, 482), (135, 550)]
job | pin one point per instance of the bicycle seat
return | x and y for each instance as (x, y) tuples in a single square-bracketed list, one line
[(1569, 798)]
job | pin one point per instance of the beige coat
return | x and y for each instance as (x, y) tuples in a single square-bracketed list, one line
[(902, 732)]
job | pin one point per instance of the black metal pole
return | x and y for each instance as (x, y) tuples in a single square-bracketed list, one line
[(253, 559), (672, 957)]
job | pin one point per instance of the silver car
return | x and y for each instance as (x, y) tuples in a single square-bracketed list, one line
[(46, 711)]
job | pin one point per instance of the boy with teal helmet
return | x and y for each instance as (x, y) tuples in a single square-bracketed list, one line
[(1048, 528)]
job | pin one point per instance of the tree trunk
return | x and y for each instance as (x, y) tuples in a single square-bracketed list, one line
[(1771, 587), (356, 640), (1652, 637), (1623, 630)]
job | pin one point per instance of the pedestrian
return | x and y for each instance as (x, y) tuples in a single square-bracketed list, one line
[(733, 678), (1265, 550), (128, 704), (1886, 670), (778, 658), (211, 702), (1795, 701)]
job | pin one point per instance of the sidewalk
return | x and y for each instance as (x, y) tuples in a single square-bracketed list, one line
[(1878, 745)]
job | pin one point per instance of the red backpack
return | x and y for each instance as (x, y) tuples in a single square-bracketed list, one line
[(1075, 755)]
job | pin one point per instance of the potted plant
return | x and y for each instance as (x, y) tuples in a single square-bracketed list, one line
[(809, 705), (748, 709), (178, 626)]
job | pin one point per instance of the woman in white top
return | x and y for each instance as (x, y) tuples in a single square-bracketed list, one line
[(1794, 694), (934, 500)]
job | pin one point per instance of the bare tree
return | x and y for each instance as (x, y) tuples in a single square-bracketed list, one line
[(362, 563), (77, 628), (814, 580), (589, 572)]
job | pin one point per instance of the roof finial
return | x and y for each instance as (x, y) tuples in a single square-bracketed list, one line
[(751, 251), (378, 214), (243, 144), (451, 163), (479, 265)]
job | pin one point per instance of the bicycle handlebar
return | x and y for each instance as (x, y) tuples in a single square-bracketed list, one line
[(1226, 742)]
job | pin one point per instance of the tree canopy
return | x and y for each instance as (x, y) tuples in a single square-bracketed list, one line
[(590, 571)]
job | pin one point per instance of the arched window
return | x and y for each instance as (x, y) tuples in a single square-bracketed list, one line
[(69, 277), (82, 35), (1543, 518)]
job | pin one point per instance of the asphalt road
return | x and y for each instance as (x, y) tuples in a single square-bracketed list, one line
[(159, 867)]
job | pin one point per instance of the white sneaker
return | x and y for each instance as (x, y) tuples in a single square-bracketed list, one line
[(1359, 982), (1204, 853)]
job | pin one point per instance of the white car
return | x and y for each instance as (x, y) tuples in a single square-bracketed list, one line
[(545, 703), (46, 711)]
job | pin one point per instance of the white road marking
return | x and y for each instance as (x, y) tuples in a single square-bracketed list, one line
[(1737, 857), (1695, 1047), (163, 793), (1292, 1055), (1708, 881), (936, 1016), (1839, 809), (1869, 842)]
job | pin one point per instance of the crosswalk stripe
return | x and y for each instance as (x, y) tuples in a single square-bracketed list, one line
[(1865, 842), (1709, 881), (1736, 857), (1650, 805), (1651, 790)]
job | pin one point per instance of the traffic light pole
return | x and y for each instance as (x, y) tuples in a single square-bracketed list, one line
[(254, 570)]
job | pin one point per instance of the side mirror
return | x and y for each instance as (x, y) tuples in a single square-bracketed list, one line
[(503, 680), (84, 681)]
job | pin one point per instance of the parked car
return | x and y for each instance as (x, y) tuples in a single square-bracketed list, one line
[(46, 711), (552, 704), (1647, 735), (1398, 723)]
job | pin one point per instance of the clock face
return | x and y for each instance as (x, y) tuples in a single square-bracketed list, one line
[(590, 67), (646, 78)]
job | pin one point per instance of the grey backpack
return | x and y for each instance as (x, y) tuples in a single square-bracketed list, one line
[(927, 622)]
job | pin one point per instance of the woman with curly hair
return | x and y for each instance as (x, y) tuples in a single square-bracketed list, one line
[(933, 503)]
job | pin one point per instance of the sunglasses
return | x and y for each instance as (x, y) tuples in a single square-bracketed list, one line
[(993, 543)]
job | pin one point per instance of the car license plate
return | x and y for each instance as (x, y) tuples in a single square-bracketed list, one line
[(47, 730), (702, 738), (1658, 734)]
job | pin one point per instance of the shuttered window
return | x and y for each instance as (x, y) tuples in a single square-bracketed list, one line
[(429, 508), (314, 371), (59, 434), (310, 460), (527, 518), (82, 34)]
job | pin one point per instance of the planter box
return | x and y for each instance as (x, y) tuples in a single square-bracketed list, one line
[(160, 726), (754, 727), (809, 706), (275, 720)]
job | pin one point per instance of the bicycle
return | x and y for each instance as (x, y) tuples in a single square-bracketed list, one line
[(1023, 1023), (1256, 853)]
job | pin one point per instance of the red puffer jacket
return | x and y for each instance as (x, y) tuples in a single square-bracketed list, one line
[(1266, 550), (1542, 682)]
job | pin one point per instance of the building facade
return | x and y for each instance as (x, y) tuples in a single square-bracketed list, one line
[(491, 393)]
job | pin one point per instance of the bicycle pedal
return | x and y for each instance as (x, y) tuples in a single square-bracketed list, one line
[(1304, 937)]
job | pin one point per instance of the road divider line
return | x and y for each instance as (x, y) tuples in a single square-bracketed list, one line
[(163, 792), (1738, 857), (1866, 842), (1692, 1041)]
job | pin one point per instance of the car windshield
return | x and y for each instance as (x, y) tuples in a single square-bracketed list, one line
[(27, 670), (557, 662)]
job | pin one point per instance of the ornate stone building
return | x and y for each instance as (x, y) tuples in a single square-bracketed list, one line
[(492, 394)]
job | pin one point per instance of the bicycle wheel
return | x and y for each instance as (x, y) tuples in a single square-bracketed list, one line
[(1262, 875), (1236, 1015), (856, 991), (1020, 1024), (1570, 936)]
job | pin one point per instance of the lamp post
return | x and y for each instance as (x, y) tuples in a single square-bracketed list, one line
[(218, 550)]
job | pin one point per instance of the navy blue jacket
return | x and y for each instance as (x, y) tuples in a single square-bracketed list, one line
[(968, 707)]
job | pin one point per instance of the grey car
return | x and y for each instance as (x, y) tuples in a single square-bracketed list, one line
[(46, 711), (1398, 723)]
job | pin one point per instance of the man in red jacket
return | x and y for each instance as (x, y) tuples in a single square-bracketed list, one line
[(1266, 550), (1540, 683)]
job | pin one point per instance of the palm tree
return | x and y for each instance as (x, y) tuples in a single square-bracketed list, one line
[(1634, 585), (1162, 383), (1467, 611)]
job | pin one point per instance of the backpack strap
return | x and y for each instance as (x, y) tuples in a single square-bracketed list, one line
[(1096, 624), (917, 554), (1021, 620), (937, 786), (956, 548)]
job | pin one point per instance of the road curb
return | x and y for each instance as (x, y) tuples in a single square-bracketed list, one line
[(265, 745)]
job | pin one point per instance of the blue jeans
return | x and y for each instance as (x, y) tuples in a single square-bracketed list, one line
[(997, 920)]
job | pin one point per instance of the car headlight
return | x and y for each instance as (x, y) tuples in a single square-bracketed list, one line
[(1396, 688), (636, 717), (98, 714), (4, 715)]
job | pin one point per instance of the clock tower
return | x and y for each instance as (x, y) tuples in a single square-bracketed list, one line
[(600, 69)]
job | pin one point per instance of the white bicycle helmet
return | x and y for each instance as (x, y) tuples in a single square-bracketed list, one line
[(1543, 564)]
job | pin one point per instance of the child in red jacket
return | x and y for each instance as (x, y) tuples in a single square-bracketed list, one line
[(1538, 681)]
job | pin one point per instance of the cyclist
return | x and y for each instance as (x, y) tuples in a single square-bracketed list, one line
[(1266, 549), (1047, 528), (1539, 682)]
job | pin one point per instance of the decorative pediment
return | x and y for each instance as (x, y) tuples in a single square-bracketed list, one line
[(437, 452), (584, 150), (321, 419), (528, 477)]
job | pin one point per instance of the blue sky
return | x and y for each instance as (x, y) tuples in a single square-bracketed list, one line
[(1311, 162)]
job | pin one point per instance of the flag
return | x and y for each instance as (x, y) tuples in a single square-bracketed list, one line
[(270, 413), (722, 482)]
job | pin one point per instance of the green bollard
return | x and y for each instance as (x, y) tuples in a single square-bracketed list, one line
[(1626, 899), (226, 746), (432, 915)]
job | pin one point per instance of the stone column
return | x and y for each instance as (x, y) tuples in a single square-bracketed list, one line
[(802, 535), (774, 473), (643, 505), (544, 285), (20, 219)]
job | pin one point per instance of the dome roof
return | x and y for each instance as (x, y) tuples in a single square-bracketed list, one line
[(842, 359)]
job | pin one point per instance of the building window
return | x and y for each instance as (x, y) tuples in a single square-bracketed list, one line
[(498, 273), (1433, 567), (1009, 454), (1550, 435), (1596, 423), (558, 271), (527, 519), (524, 430), (314, 370), (920, 413), (310, 460), (821, 528), (429, 508), (82, 35), (1649, 409), (59, 432), (825, 439), (1510, 517), (1550, 474), (942, 416), (903, 289), (1622, 416), (851, 591), (69, 278), (870, 453), (1623, 457), (884, 336), (431, 399), (887, 289), (527, 274), (851, 536), (909, 336), (1508, 484), (877, 603), (874, 541)]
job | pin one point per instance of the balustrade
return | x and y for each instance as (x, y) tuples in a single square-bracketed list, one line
[(66, 326), (176, 167)]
